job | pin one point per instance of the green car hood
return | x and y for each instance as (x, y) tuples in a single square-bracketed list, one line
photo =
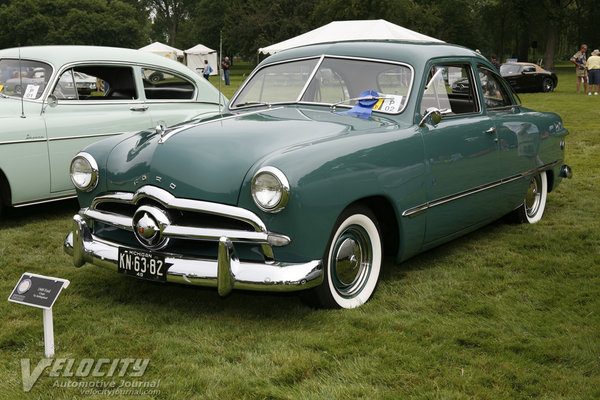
[(209, 160)]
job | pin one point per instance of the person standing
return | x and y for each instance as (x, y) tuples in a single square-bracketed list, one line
[(495, 63), (207, 70), (225, 65), (593, 66), (580, 61)]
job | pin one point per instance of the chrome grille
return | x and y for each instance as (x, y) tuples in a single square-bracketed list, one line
[(188, 222)]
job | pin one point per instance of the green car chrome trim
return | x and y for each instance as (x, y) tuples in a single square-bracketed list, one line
[(421, 209)]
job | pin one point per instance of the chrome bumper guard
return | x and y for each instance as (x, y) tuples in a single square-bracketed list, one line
[(566, 171), (226, 273)]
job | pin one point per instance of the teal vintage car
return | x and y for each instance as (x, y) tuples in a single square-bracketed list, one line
[(328, 157), (55, 100)]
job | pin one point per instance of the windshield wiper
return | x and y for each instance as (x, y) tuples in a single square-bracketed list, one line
[(253, 103)]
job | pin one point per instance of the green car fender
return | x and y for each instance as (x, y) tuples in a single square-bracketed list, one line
[(379, 168)]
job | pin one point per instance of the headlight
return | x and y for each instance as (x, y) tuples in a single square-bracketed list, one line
[(84, 172), (270, 189)]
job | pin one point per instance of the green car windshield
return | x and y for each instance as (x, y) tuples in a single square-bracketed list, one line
[(23, 78), (329, 81)]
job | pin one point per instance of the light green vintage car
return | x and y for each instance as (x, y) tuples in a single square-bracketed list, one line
[(55, 100), (328, 157)]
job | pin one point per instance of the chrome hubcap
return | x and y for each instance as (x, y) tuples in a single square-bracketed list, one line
[(533, 197), (351, 261)]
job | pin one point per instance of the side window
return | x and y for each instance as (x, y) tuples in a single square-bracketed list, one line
[(65, 88), (160, 85), (97, 82), (494, 93), (451, 89)]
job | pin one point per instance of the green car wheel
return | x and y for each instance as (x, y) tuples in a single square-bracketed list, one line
[(534, 203), (352, 261)]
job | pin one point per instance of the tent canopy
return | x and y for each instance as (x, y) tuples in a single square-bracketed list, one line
[(195, 56), (163, 50), (350, 30)]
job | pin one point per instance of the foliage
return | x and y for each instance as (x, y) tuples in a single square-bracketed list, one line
[(523, 29), (93, 22)]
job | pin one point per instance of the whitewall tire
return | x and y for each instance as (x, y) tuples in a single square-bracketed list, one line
[(352, 261)]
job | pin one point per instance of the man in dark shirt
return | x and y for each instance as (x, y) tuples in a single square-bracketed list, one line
[(225, 65)]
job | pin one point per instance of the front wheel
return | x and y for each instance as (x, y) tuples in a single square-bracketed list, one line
[(533, 206), (352, 261), (547, 85)]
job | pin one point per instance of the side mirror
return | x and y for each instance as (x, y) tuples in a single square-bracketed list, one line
[(433, 115), (52, 101)]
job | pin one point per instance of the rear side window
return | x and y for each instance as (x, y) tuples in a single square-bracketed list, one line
[(97, 82), (451, 89), (161, 85)]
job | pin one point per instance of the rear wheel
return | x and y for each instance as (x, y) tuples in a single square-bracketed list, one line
[(547, 85), (534, 204), (352, 261)]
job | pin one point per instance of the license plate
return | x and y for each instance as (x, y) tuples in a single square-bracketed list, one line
[(142, 264)]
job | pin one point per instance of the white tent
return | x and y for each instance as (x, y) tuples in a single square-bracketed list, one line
[(195, 56), (350, 30), (163, 50)]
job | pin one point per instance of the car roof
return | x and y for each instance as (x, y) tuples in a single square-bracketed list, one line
[(60, 55), (415, 53)]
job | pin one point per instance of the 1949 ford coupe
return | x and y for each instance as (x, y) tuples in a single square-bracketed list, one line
[(328, 156)]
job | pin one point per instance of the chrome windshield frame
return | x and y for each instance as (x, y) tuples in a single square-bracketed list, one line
[(320, 61)]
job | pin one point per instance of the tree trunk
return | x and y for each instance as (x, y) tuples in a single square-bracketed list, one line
[(550, 47)]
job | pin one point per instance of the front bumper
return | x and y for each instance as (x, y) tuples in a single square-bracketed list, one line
[(226, 273)]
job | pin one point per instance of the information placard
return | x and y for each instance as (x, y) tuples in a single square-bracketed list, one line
[(37, 290)]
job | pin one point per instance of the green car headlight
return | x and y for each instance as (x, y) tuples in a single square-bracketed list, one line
[(84, 172), (270, 189)]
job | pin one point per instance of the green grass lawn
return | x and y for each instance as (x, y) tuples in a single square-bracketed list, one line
[(507, 312)]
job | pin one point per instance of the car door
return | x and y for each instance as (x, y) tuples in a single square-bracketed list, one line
[(460, 152), (518, 137), (84, 115)]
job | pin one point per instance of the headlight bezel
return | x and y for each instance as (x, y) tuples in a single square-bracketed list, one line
[(93, 166), (284, 189)]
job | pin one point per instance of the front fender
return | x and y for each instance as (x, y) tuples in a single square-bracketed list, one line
[(328, 176)]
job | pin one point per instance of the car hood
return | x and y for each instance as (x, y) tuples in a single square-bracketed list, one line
[(209, 160)]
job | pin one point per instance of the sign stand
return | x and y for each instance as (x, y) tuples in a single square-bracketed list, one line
[(40, 291)]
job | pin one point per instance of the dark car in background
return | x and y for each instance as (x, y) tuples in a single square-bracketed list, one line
[(528, 77)]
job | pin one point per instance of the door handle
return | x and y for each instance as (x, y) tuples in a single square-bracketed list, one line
[(138, 108), (491, 131)]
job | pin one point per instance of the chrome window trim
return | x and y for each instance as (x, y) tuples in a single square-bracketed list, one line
[(422, 208), (256, 70), (476, 94), (44, 95), (317, 65)]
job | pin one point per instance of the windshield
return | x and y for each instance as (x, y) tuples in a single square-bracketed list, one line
[(23, 78), (509, 69), (337, 81)]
